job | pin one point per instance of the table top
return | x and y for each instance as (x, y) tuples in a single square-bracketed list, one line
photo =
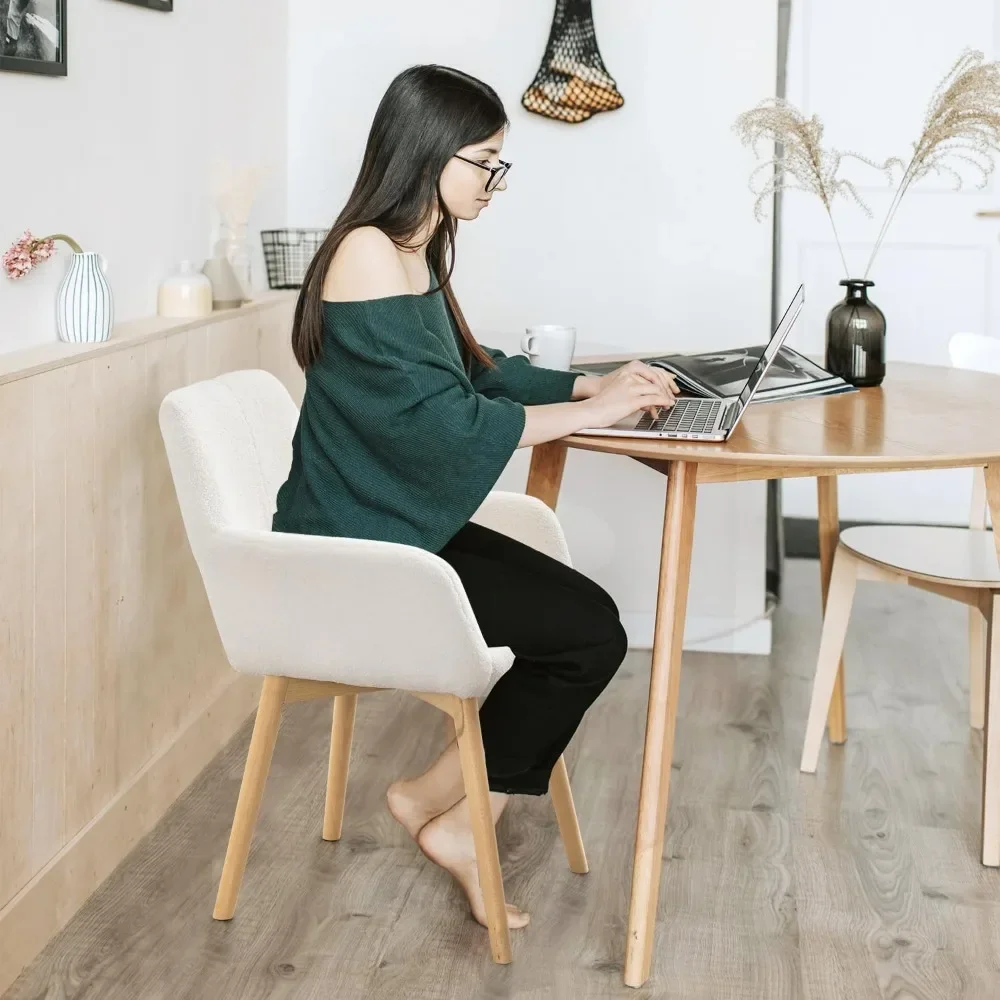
[(922, 416)]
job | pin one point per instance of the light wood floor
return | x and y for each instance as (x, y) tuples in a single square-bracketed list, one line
[(859, 882)]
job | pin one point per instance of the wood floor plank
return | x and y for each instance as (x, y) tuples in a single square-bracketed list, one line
[(860, 881)]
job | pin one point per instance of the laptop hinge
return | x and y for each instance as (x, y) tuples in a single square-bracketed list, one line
[(729, 415)]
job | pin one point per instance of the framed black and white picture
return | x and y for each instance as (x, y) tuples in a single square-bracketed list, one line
[(153, 4), (33, 36)]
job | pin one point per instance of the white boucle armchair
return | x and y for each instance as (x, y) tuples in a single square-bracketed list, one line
[(322, 617)]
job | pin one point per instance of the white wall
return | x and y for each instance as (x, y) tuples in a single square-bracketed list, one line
[(118, 153), (636, 227), (868, 68)]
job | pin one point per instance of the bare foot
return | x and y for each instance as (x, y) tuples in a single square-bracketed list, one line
[(409, 811), (448, 842)]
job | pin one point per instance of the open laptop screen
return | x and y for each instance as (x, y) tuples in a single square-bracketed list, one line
[(773, 346)]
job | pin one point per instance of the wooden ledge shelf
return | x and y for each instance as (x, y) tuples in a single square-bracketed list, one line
[(35, 360)]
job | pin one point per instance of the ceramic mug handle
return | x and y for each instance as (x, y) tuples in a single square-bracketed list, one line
[(526, 343)]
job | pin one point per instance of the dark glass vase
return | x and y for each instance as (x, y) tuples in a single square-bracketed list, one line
[(855, 336)]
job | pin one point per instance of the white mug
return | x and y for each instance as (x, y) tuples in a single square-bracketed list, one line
[(549, 346)]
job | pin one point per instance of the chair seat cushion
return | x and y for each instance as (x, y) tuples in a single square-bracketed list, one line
[(955, 555)]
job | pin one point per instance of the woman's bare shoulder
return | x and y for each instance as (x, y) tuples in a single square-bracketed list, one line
[(365, 266)]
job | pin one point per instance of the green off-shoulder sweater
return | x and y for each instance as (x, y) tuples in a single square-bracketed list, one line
[(395, 441)]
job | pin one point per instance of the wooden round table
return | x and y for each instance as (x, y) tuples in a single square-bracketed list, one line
[(921, 417)]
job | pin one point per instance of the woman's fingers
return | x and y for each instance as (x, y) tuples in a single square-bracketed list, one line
[(658, 376), (644, 388), (651, 398)]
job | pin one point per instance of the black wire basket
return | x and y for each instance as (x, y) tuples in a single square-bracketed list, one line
[(287, 254)]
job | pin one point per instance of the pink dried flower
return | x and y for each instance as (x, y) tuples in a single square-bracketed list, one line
[(29, 251), (43, 250)]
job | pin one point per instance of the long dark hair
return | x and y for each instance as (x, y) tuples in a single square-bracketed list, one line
[(426, 116)]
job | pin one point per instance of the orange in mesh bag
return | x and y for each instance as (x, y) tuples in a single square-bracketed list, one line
[(572, 83)]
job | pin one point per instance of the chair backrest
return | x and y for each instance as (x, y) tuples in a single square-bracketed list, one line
[(295, 605), (980, 353), (229, 444), (973, 350)]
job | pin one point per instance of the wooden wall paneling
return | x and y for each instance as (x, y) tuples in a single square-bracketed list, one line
[(197, 353), (84, 716), (110, 502), (16, 635), (51, 415), (132, 661), (276, 350), (167, 570), (232, 345), (114, 688)]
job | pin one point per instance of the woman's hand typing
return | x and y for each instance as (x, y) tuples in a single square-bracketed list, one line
[(632, 387)]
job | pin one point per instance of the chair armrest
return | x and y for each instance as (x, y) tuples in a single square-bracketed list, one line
[(344, 609), (525, 518)]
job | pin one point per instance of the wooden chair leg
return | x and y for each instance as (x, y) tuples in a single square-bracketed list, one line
[(569, 825), (341, 735), (991, 744), (977, 668), (838, 611), (477, 790), (265, 732)]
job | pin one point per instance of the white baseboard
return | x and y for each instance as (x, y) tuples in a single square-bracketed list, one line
[(47, 903), (703, 634)]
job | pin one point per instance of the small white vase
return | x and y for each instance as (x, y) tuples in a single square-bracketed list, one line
[(235, 247), (84, 304), (185, 295)]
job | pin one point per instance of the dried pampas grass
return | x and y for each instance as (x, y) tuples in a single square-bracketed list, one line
[(800, 161), (234, 189), (961, 127)]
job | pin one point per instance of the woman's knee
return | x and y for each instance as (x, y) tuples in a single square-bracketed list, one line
[(618, 642), (602, 597), (611, 644)]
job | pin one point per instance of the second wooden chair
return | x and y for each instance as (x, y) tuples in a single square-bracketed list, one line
[(957, 563)]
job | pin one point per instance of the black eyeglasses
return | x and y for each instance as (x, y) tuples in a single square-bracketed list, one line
[(497, 174)]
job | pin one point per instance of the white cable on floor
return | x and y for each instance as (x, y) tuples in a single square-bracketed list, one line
[(772, 603)]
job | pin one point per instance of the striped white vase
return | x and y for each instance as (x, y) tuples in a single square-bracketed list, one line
[(84, 304)]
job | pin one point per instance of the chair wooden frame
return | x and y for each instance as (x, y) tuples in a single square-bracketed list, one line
[(983, 601), (464, 713)]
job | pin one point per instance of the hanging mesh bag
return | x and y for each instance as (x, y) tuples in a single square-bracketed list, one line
[(572, 83)]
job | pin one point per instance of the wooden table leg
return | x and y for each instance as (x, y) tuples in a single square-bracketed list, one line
[(829, 534), (661, 717), (977, 621), (991, 746), (545, 474)]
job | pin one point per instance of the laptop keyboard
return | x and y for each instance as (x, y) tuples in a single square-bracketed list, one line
[(686, 416)]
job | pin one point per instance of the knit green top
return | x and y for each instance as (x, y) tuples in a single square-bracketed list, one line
[(395, 440)]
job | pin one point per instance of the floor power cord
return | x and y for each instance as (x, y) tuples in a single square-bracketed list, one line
[(770, 604)]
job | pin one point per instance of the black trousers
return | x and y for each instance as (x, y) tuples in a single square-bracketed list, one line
[(567, 640)]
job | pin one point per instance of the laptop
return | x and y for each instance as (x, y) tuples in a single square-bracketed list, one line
[(697, 419)]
